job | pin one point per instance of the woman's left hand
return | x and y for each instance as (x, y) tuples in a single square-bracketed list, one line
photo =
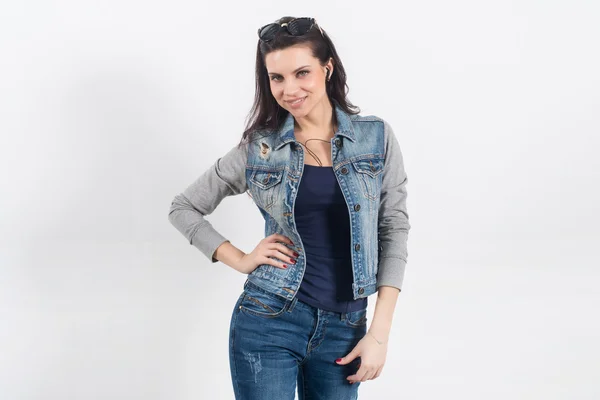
[(372, 358)]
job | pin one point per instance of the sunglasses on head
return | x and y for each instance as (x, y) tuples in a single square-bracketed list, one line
[(296, 27)]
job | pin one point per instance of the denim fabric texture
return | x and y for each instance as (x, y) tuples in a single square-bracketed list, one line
[(369, 166), (278, 346)]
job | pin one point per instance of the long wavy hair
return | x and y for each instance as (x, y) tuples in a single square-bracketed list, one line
[(266, 115)]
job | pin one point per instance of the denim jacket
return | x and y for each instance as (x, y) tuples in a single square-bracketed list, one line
[(369, 167)]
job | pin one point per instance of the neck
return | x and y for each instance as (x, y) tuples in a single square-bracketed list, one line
[(318, 123)]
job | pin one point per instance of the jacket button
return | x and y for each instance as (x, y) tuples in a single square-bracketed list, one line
[(361, 290), (372, 168), (265, 180), (338, 142), (357, 247), (357, 207), (344, 170)]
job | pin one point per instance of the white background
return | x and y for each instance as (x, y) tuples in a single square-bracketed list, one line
[(109, 109)]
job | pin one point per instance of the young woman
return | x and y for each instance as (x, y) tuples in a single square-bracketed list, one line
[(330, 185)]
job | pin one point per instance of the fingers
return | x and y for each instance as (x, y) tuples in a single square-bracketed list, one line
[(277, 254), (377, 373), (286, 259), (274, 262), (369, 373), (276, 237), (277, 259), (365, 373), (351, 356), (286, 251)]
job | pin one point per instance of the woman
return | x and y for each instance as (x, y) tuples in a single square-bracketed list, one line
[(330, 185)]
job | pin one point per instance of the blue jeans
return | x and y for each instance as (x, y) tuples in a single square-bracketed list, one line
[(276, 344)]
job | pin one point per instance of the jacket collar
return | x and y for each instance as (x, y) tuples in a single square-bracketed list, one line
[(285, 134)]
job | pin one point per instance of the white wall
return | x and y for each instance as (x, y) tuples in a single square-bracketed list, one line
[(109, 109)]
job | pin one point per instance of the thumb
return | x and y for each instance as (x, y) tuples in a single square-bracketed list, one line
[(351, 356)]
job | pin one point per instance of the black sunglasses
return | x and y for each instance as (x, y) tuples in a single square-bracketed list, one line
[(296, 27)]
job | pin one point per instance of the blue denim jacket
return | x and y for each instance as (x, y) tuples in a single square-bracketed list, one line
[(369, 167)]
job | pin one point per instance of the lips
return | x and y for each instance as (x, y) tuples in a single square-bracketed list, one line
[(295, 100)]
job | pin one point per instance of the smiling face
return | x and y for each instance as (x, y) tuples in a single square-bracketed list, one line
[(297, 79)]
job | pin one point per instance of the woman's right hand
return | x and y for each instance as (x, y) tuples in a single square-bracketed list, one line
[(262, 253)]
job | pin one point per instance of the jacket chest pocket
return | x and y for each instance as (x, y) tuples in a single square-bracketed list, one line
[(265, 184), (369, 174)]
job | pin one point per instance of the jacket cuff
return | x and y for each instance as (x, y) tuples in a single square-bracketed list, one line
[(207, 240), (390, 272)]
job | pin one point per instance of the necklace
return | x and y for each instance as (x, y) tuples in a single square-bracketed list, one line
[(312, 153)]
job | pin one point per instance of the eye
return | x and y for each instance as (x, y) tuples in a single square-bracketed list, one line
[(275, 77)]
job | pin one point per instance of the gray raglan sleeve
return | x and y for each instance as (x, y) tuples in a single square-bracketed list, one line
[(226, 177), (393, 225)]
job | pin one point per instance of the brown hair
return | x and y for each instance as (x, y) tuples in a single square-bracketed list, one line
[(266, 114)]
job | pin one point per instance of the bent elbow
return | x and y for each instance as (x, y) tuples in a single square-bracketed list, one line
[(178, 204)]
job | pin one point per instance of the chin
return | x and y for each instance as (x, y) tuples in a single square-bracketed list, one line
[(302, 111)]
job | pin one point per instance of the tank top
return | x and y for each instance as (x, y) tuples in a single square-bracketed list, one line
[(323, 222)]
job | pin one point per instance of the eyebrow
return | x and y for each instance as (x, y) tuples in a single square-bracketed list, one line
[(296, 70)]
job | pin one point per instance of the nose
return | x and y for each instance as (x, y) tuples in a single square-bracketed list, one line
[(290, 89)]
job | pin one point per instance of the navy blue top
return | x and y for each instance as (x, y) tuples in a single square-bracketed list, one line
[(323, 223)]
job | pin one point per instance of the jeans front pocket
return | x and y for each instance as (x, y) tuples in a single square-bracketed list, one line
[(259, 302), (356, 319)]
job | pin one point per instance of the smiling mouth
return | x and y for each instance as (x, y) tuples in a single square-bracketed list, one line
[(298, 101)]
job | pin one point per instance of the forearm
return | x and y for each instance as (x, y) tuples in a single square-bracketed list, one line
[(381, 324), (190, 220), (228, 254), (393, 224), (226, 177)]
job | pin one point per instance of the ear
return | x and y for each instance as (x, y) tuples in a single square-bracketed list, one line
[(329, 68)]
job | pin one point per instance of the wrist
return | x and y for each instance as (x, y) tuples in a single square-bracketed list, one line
[(380, 332), (238, 264), (380, 340)]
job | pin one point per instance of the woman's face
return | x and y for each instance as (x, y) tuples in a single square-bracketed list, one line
[(294, 74)]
